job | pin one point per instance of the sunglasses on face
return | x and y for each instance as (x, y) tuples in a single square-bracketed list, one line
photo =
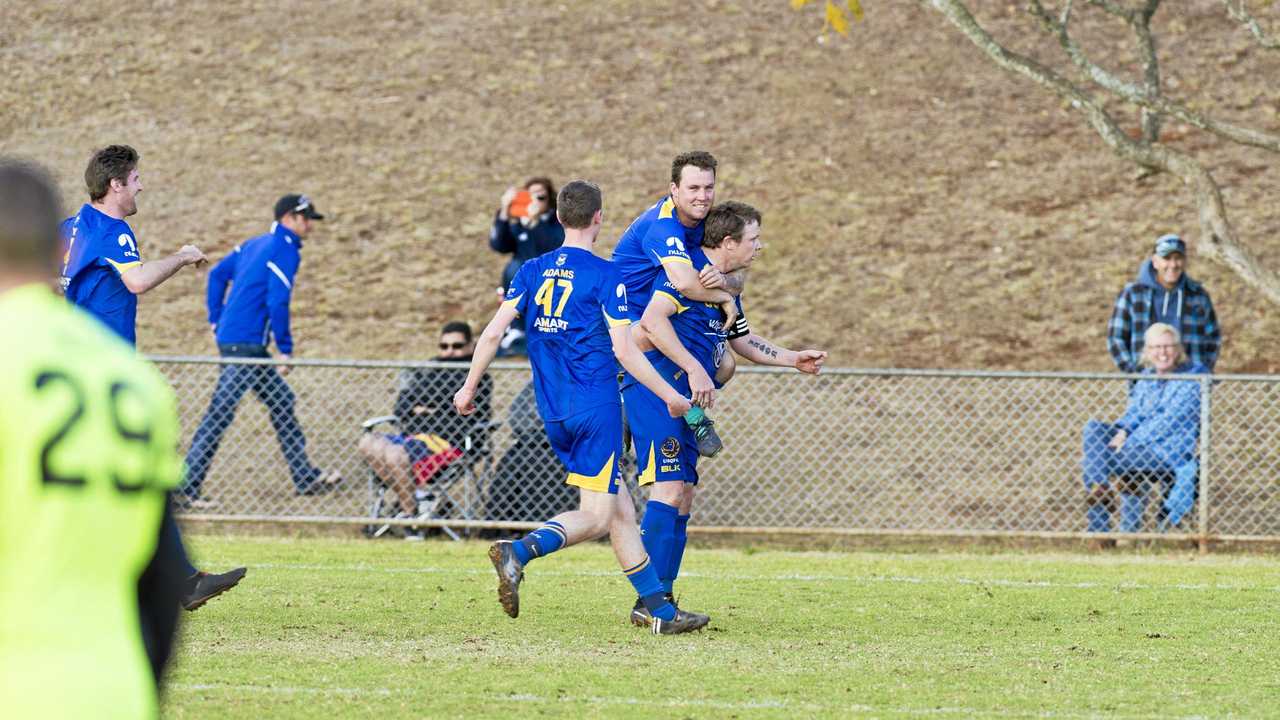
[(452, 346), (539, 198)]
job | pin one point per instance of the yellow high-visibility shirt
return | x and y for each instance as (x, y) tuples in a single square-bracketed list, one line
[(88, 453)]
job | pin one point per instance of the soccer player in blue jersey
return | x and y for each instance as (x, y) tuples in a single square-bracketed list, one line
[(663, 241), (661, 238), (687, 341), (574, 308), (103, 271)]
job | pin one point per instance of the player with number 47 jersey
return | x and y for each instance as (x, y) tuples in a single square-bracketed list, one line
[(568, 336), (574, 310)]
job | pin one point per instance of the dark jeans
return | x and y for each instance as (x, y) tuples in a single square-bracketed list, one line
[(1100, 462), (274, 392)]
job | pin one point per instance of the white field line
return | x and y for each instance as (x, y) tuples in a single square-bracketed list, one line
[(675, 703), (785, 578)]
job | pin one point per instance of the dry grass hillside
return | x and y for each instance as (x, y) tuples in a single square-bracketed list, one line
[(922, 209)]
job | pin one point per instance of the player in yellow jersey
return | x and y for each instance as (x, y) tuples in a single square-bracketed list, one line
[(88, 434)]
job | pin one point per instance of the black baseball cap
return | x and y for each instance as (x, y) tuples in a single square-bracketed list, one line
[(297, 204)]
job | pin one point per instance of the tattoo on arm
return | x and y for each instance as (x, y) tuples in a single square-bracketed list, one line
[(735, 281), (763, 347)]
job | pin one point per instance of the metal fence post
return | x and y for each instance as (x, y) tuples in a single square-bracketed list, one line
[(1205, 463)]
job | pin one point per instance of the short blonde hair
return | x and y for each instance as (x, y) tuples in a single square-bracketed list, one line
[(1162, 329)]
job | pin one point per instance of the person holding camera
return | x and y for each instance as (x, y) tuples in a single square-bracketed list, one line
[(526, 225)]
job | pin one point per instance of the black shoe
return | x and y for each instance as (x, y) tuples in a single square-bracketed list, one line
[(510, 573), (705, 431), (411, 532), (684, 622), (322, 484), (640, 615), (203, 587), (182, 503)]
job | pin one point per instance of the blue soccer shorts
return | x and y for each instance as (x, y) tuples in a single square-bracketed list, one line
[(590, 444), (666, 449)]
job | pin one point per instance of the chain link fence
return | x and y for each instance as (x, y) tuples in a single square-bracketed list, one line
[(850, 452)]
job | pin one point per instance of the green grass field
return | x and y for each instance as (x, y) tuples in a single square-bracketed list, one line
[(325, 628)]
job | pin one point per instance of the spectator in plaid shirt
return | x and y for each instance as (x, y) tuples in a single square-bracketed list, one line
[(1164, 293)]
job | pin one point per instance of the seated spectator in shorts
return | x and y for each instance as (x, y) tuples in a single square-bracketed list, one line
[(1157, 434), (431, 434)]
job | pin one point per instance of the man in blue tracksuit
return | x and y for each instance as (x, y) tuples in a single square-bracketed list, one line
[(261, 274)]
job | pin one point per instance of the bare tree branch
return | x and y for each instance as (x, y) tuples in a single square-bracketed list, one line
[(1218, 240), (1150, 67), (1240, 13), (1121, 12), (1140, 22), (1140, 96)]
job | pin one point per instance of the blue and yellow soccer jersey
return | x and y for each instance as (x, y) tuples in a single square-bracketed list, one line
[(568, 299), (99, 249), (698, 325), (89, 434), (666, 448), (654, 238)]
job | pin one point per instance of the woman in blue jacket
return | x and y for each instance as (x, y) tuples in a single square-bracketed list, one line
[(1158, 432), (525, 233)]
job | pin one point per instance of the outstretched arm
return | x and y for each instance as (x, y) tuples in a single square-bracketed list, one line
[(486, 350), (146, 275), (764, 352)]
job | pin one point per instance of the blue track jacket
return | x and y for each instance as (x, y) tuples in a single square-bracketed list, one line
[(261, 272)]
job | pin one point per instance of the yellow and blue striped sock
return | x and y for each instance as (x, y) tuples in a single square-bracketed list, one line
[(645, 580), (543, 541)]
